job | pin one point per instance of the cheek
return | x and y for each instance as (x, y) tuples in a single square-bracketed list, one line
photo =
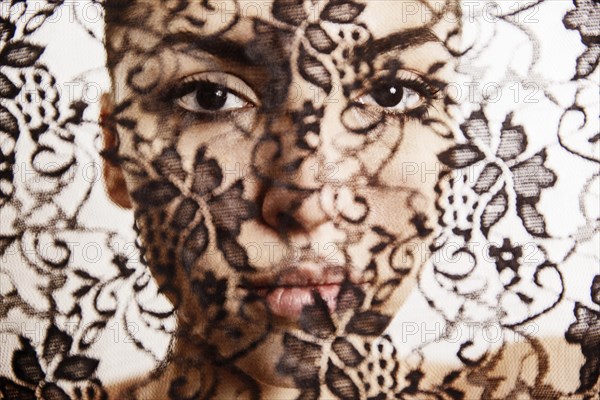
[(230, 146), (415, 164)]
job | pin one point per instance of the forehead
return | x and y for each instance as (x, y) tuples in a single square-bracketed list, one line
[(183, 37), (235, 18)]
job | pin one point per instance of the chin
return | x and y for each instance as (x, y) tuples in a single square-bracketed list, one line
[(298, 346)]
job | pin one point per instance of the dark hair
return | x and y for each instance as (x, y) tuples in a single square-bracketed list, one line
[(116, 14), (115, 10)]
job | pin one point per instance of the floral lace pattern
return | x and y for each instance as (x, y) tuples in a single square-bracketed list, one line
[(507, 299)]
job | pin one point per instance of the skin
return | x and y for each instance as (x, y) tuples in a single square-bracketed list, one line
[(317, 174)]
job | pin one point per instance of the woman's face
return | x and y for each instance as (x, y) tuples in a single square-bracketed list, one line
[(280, 157)]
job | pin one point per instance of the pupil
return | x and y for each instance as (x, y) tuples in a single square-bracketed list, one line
[(387, 93), (211, 96)]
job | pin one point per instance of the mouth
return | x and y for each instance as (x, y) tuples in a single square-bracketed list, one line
[(288, 292)]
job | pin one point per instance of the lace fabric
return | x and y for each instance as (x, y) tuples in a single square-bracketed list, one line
[(506, 300)]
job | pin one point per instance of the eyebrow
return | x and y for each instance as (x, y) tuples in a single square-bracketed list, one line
[(397, 41), (235, 52), (219, 47)]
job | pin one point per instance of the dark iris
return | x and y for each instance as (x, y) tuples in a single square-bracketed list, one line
[(387, 93), (211, 96)]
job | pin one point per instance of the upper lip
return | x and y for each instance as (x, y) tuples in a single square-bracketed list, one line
[(301, 276)]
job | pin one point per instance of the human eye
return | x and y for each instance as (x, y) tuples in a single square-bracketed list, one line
[(398, 94), (214, 92)]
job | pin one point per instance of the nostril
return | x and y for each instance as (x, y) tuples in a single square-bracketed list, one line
[(289, 211), (286, 222), (292, 167)]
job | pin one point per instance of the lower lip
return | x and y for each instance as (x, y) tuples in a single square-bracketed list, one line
[(288, 301)]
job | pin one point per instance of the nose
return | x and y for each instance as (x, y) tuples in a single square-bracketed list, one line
[(290, 211), (293, 157)]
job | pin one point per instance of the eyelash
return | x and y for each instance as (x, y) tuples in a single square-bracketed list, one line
[(429, 91), (422, 86), (187, 86)]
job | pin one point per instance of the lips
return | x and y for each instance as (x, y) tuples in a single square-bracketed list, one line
[(288, 301), (289, 291)]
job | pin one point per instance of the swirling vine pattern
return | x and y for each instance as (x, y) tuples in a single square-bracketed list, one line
[(507, 303)]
